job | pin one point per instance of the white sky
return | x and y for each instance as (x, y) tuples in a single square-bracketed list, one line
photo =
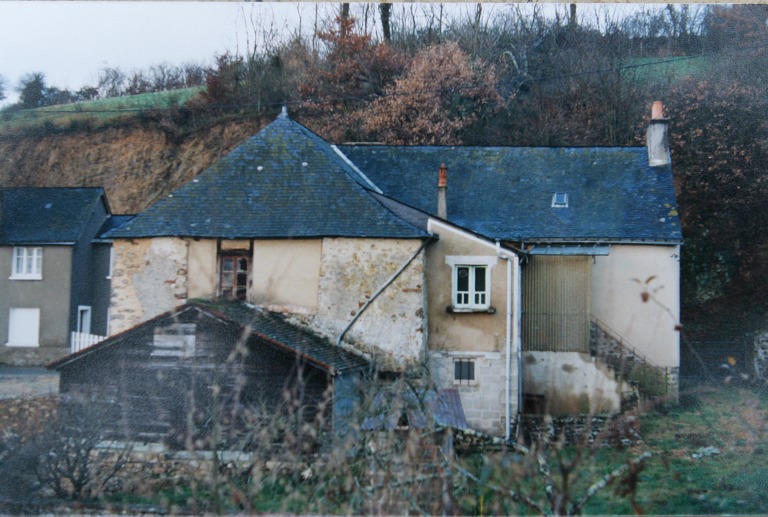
[(71, 41)]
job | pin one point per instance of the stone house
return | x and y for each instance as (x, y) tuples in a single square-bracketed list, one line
[(527, 279), (54, 273)]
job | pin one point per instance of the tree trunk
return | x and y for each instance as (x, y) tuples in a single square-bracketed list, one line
[(385, 11)]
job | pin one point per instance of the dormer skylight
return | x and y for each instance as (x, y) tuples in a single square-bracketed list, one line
[(560, 200)]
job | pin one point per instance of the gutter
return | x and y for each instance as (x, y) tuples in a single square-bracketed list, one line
[(386, 284)]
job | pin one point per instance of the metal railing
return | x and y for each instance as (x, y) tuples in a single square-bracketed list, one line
[(628, 362)]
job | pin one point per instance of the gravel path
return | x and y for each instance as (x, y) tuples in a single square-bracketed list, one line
[(18, 382)]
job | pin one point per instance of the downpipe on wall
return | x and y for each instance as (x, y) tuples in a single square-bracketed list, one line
[(386, 284), (512, 336)]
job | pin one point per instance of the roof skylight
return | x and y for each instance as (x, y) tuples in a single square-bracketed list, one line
[(560, 200)]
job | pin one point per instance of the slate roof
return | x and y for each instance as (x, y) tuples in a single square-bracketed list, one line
[(46, 215), (506, 192), (283, 182), (273, 328), (270, 328)]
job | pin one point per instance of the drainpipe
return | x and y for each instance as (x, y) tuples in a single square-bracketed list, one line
[(519, 344), (508, 390), (381, 289), (513, 319)]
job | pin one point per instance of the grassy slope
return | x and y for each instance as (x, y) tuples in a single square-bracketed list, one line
[(729, 418), (98, 110)]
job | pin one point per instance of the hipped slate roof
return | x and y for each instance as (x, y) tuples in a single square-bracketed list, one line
[(506, 192), (268, 328), (46, 215), (283, 182)]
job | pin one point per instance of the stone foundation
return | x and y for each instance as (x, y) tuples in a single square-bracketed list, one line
[(31, 356), (601, 430)]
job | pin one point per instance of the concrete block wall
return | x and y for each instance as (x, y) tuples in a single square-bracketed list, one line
[(484, 401)]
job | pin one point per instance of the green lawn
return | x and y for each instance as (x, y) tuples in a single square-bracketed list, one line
[(669, 69)]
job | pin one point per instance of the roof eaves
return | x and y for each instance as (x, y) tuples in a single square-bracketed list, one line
[(117, 338)]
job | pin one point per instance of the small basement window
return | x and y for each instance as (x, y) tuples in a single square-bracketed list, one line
[(464, 371), (559, 200)]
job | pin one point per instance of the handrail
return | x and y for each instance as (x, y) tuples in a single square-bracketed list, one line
[(623, 343)]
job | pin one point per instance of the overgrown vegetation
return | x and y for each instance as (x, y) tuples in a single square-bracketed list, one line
[(704, 456), (509, 76)]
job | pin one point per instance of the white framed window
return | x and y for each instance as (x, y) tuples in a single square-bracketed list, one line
[(471, 283), (464, 371), (24, 327), (27, 263)]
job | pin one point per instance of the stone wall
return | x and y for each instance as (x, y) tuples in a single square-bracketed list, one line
[(149, 277), (600, 430), (391, 328)]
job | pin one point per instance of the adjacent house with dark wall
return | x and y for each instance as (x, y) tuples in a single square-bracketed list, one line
[(54, 279), (525, 279)]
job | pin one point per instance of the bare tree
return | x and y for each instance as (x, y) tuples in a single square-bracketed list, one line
[(111, 82)]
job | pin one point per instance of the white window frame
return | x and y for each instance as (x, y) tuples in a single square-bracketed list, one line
[(84, 319), (23, 327), (27, 263), (471, 300)]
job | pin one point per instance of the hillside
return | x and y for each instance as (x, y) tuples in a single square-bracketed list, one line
[(136, 162)]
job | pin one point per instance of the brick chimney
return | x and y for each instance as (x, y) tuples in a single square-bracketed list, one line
[(657, 137)]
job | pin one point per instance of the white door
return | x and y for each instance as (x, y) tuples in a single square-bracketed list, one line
[(24, 327), (84, 319)]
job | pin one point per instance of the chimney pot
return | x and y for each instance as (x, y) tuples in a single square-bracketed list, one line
[(442, 192), (657, 111), (657, 138)]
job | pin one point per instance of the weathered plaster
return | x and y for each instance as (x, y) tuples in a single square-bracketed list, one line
[(149, 277), (286, 274), (351, 271), (203, 270), (571, 383), (463, 331), (619, 282)]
